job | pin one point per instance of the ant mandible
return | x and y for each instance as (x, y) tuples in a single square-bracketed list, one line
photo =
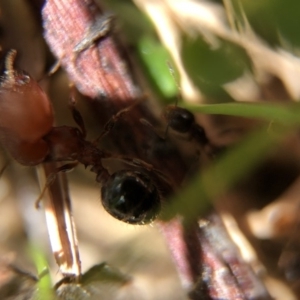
[(132, 195)]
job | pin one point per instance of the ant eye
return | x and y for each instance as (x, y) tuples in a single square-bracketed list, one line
[(131, 197), (179, 119)]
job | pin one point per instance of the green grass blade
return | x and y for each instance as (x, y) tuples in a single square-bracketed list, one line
[(44, 284), (286, 114), (221, 176)]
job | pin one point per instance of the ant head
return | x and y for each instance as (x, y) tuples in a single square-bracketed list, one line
[(131, 197), (179, 119)]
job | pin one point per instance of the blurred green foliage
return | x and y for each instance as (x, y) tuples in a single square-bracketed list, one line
[(44, 283), (275, 112), (215, 65), (155, 59), (273, 20), (211, 67), (152, 55)]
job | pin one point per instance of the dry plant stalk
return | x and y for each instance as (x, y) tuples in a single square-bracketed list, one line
[(112, 81)]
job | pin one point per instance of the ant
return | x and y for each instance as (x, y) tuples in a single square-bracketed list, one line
[(183, 121), (132, 195)]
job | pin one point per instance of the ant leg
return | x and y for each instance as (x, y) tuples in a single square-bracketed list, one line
[(142, 165), (3, 168), (49, 181), (110, 124), (68, 280), (75, 112), (150, 168), (21, 272), (100, 28), (149, 125), (66, 167), (51, 178), (54, 68)]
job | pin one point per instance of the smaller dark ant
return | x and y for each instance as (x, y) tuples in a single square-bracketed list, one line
[(132, 195), (183, 121)]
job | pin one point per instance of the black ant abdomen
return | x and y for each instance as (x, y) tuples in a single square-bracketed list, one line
[(132, 197)]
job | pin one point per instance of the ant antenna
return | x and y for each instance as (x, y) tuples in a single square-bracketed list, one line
[(51, 71), (153, 129), (172, 72), (110, 124), (9, 68), (75, 112), (54, 68), (51, 178)]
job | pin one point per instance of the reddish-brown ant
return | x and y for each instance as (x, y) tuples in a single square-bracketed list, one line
[(132, 194)]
